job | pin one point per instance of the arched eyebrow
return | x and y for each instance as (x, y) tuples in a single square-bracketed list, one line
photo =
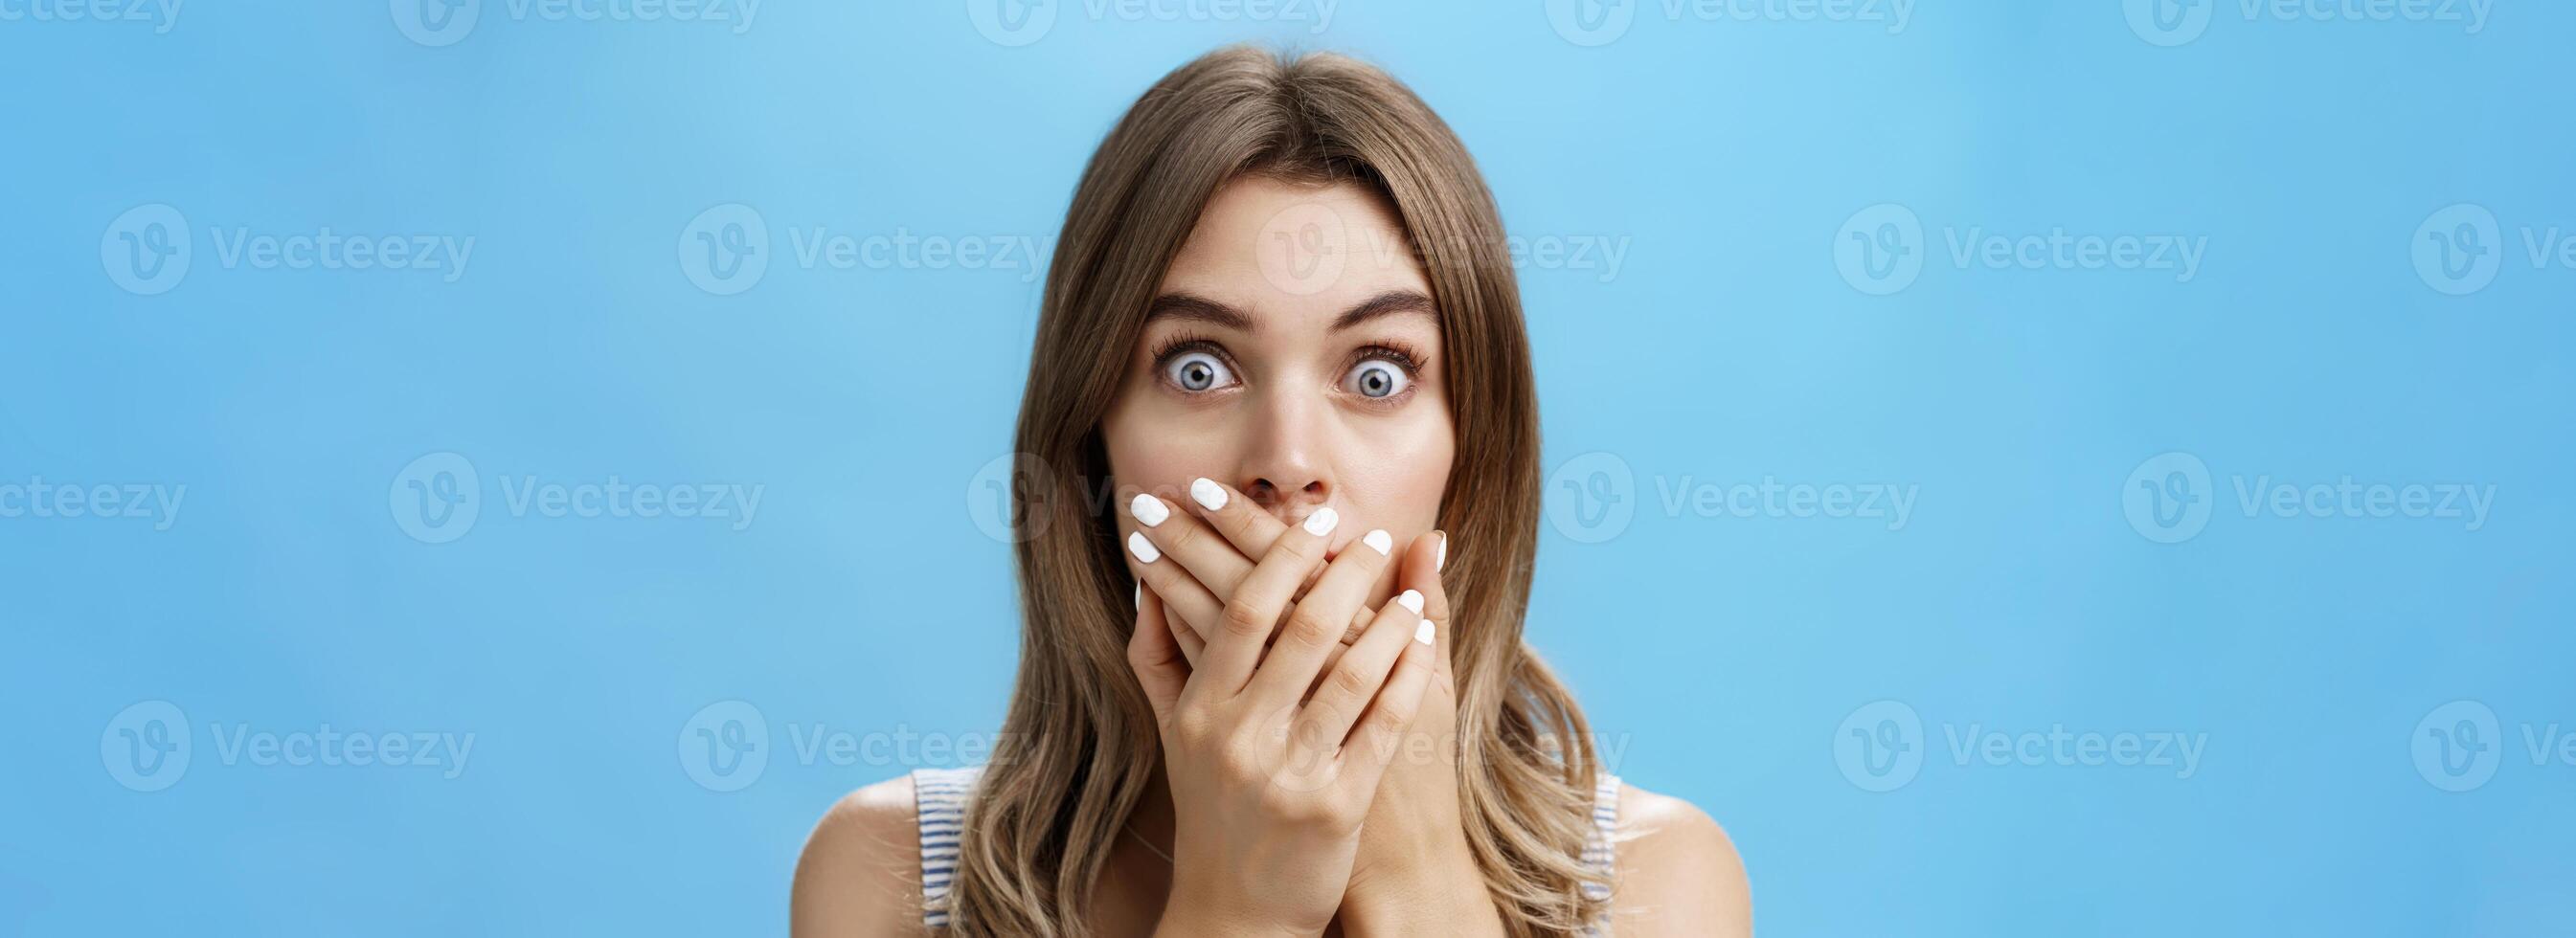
[(1196, 308)]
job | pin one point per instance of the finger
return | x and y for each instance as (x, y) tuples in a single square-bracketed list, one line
[(1390, 716), (1188, 638), (1353, 680), (1179, 592), (1315, 627), (1421, 571), (1244, 627), (1191, 544), (1155, 657), (1412, 602), (1241, 521)]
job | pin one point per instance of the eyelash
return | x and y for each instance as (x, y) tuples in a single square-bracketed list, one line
[(1403, 356)]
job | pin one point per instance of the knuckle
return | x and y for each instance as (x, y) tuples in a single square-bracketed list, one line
[(1312, 630), (1245, 619), (1349, 679)]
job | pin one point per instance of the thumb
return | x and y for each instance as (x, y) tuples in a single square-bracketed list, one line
[(1155, 656)]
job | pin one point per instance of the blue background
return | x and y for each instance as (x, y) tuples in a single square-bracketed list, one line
[(1721, 654)]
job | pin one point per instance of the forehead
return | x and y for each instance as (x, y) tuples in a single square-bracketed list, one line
[(1295, 255)]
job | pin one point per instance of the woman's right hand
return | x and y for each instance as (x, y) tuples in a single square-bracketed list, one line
[(1268, 792)]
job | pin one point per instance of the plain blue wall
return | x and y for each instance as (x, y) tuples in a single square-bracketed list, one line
[(1745, 159)]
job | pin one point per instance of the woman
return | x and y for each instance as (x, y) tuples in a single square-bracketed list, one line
[(1282, 328)]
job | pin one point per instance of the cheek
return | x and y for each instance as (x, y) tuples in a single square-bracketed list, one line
[(1407, 466), (1154, 453)]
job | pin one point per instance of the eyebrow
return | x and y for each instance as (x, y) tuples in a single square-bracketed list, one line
[(1192, 307)]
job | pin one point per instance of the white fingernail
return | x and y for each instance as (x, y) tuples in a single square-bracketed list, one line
[(1208, 494), (1145, 549), (1412, 599), (1322, 521), (1422, 633), (1379, 541), (1149, 511), (1441, 562)]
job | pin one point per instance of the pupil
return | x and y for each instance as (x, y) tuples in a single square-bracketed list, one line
[(1195, 374), (1374, 383)]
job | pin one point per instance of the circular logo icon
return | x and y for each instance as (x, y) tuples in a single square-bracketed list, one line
[(1879, 250), (1591, 497), (1007, 498), (725, 249), (435, 23), (1591, 22), (1879, 747), (725, 746), (2458, 746), (2458, 249), (2169, 22), (1012, 23), (145, 748), (1303, 249), (436, 498), (2167, 498), (145, 251), (1295, 757)]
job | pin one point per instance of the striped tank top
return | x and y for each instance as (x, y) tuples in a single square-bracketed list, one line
[(940, 797)]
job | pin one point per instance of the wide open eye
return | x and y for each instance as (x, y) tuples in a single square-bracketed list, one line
[(1197, 371), (1377, 379)]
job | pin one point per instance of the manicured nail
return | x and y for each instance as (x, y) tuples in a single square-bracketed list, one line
[(1149, 511), (1442, 561), (1412, 599), (1378, 541), (1422, 633), (1145, 549), (1208, 494), (1322, 521)]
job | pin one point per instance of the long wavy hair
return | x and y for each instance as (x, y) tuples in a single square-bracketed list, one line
[(1077, 750)]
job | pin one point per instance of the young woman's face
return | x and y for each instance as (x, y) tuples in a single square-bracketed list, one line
[(1292, 352)]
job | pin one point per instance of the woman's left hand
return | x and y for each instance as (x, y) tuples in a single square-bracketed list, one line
[(1415, 872)]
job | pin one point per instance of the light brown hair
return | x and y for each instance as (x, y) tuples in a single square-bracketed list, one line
[(1079, 744)]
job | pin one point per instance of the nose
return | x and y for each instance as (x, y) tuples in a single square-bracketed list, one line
[(1286, 469)]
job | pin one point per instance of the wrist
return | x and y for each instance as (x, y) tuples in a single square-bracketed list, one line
[(1445, 894)]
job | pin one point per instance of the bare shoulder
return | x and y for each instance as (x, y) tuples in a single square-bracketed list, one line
[(1679, 873), (860, 876)]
